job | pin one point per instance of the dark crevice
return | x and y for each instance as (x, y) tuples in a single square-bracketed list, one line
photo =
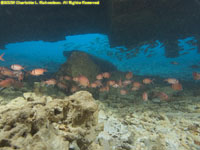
[(5, 143)]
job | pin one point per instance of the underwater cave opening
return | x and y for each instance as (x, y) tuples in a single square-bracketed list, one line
[(145, 60)]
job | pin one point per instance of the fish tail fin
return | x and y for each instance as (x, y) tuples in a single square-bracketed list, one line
[(1, 57)]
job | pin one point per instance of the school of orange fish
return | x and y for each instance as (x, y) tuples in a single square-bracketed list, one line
[(15, 75)]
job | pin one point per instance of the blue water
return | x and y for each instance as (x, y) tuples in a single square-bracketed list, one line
[(49, 55)]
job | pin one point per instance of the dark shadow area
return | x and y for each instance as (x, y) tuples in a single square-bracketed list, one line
[(127, 23)]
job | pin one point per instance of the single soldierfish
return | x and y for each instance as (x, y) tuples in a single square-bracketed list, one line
[(171, 80), (7, 82), (147, 81), (196, 75), (38, 71), (16, 67), (145, 96), (50, 82)]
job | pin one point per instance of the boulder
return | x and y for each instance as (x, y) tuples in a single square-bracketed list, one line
[(80, 63), (39, 122)]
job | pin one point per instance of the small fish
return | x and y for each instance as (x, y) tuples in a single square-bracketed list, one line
[(1, 57), (61, 85), (111, 82), (67, 78), (147, 81), (123, 92), (16, 67), (115, 85), (126, 82), (73, 89), (174, 63), (171, 80), (83, 81), (194, 66), (38, 71), (129, 75), (7, 82), (196, 75), (50, 82), (104, 89), (98, 82), (6, 72), (145, 96), (99, 77), (106, 75), (177, 87), (75, 79), (137, 84), (184, 53), (93, 85), (163, 96), (135, 88)]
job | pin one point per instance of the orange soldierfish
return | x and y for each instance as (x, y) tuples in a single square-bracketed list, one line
[(171, 80), (7, 82), (16, 67), (6, 72), (50, 82), (61, 85), (99, 77), (147, 81), (123, 92), (106, 75), (38, 71), (83, 81), (145, 96), (129, 75), (163, 96), (137, 84), (177, 87), (196, 75)]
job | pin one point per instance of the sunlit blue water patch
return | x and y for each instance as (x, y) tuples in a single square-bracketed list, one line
[(35, 54), (148, 61)]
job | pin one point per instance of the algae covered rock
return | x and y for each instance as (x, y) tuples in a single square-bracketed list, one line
[(80, 63), (37, 122)]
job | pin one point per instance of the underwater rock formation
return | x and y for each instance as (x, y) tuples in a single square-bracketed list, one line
[(80, 63), (125, 22), (142, 20), (40, 122)]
